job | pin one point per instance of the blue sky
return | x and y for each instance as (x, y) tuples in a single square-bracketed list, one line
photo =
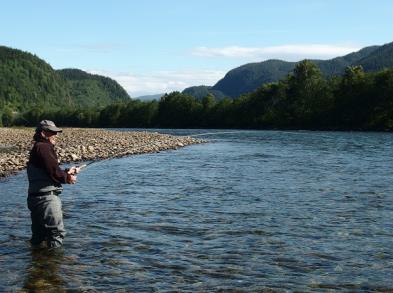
[(159, 46)]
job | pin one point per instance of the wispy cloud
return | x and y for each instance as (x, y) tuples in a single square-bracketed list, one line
[(162, 81), (286, 52)]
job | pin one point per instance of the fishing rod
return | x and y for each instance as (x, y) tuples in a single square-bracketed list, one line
[(97, 160), (127, 152), (87, 165)]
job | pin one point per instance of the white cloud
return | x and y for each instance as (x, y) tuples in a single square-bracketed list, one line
[(167, 81), (286, 52), (162, 81)]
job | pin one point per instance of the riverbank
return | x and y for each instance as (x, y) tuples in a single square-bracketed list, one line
[(85, 144)]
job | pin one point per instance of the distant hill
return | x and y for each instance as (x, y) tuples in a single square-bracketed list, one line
[(249, 77), (201, 91), (27, 81), (92, 90), (149, 97), (336, 66), (381, 57)]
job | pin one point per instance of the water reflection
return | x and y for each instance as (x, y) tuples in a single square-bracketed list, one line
[(43, 274)]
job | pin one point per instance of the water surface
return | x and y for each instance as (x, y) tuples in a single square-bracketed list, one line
[(251, 210)]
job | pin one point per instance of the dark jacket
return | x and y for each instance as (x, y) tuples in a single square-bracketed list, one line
[(43, 170)]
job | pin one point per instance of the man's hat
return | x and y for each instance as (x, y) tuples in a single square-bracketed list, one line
[(48, 125)]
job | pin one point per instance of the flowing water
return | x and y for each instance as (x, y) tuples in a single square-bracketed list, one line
[(248, 211)]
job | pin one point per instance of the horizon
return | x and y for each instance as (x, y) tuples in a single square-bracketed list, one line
[(163, 46)]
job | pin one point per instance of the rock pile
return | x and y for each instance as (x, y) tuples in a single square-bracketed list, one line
[(82, 144)]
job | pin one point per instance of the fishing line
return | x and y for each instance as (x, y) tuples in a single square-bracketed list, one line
[(97, 160), (128, 152)]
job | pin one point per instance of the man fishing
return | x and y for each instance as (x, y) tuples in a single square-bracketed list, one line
[(45, 178)]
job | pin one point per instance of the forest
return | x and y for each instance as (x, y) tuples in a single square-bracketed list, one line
[(304, 99)]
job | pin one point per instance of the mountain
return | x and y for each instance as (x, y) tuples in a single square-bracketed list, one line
[(202, 91), (249, 77), (149, 97), (380, 58), (336, 66), (92, 90), (27, 81)]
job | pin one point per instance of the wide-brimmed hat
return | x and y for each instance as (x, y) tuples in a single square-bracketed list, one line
[(48, 125)]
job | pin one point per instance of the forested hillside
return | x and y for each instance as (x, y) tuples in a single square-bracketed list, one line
[(249, 77), (30, 85), (26, 81), (91, 90), (201, 91), (380, 58), (305, 98)]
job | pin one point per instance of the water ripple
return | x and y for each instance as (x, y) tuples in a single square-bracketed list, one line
[(251, 211)]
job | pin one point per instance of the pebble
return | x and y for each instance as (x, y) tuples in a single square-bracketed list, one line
[(85, 144)]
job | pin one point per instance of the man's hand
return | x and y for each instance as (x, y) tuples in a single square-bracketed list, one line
[(74, 170), (71, 179)]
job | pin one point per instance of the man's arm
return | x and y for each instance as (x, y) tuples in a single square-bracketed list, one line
[(48, 159)]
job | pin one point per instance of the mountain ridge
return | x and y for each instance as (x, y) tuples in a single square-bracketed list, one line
[(248, 77), (28, 81)]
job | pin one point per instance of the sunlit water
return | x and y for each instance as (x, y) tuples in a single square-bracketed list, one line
[(253, 210)]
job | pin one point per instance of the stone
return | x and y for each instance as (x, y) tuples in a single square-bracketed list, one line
[(74, 157)]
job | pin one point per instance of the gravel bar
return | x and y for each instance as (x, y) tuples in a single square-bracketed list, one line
[(85, 144)]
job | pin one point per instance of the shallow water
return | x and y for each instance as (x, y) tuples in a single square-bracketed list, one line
[(251, 210)]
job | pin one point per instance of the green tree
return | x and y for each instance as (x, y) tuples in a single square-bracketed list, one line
[(381, 117), (179, 111), (139, 114), (272, 106), (222, 114), (208, 103), (353, 98), (110, 115), (308, 90), (7, 118)]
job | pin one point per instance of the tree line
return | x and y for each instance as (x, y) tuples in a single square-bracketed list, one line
[(305, 99)]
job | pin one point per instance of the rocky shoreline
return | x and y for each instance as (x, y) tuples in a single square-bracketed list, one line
[(85, 144)]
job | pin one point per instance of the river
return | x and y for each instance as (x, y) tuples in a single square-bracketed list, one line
[(248, 211)]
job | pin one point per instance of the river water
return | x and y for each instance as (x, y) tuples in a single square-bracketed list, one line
[(248, 211)]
